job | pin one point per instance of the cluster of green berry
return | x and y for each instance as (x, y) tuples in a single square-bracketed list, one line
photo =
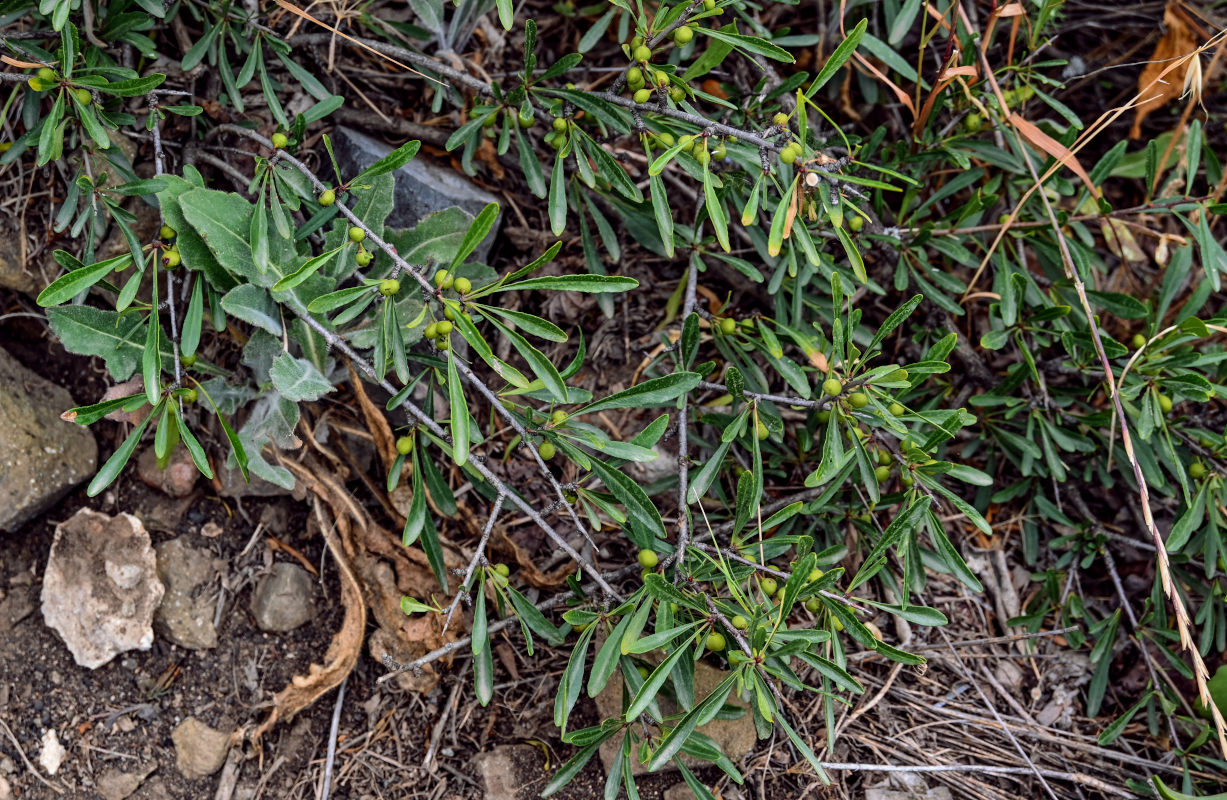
[(170, 251), (46, 78), (280, 141), (857, 400)]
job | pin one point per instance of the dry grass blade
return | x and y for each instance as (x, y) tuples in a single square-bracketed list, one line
[(293, 9)]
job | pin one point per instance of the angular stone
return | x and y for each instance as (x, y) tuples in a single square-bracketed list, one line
[(422, 187), (186, 615), (199, 750), (101, 586), (498, 770), (42, 457), (735, 737), (283, 599), (117, 785), (52, 754)]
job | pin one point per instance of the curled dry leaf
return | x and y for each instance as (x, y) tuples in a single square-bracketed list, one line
[(1163, 78)]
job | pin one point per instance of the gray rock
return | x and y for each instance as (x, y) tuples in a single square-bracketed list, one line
[(178, 479), (735, 737), (101, 586), (199, 750), (283, 599), (42, 457), (185, 616), (422, 187), (117, 785), (499, 772)]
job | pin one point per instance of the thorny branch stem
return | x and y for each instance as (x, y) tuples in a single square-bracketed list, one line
[(478, 555)]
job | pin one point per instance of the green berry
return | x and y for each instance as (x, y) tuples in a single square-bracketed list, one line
[(449, 283), (637, 41), (46, 74), (188, 360), (559, 124), (167, 232), (682, 36), (441, 277), (547, 450), (858, 399), (404, 445), (812, 605), (884, 458), (824, 416), (170, 258), (709, 5), (815, 574), (677, 93), (1197, 470), (449, 313), (463, 285), (327, 197), (660, 78), (897, 409), (973, 122), (832, 387), (728, 326), (280, 141), (432, 330), (1165, 404), (898, 376), (634, 77), (356, 234), (666, 139), (769, 586), (37, 84), (364, 258), (642, 96), (84, 97), (442, 343), (648, 559), (702, 156), (856, 223), (389, 287), (720, 152), (780, 120), (760, 430), (445, 328), (558, 417), (189, 396), (527, 120), (643, 53), (740, 622), (715, 642), (1139, 341), (788, 155), (502, 569), (882, 474)]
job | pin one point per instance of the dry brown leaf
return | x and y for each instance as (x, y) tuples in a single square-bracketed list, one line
[(506, 548), (376, 422), (1053, 148), (1177, 42)]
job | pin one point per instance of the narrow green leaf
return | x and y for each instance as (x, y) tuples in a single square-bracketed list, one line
[(459, 411), (115, 464)]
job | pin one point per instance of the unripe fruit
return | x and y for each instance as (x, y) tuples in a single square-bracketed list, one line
[(442, 343), (558, 417), (856, 223), (788, 155), (449, 283), (356, 234), (899, 376), (445, 328), (812, 605), (188, 360), (687, 143), (1139, 341), (769, 586), (897, 409), (728, 326), (170, 259), (884, 458), (815, 574), (973, 122), (364, 258), (832, 387), (637, 41), (527, 120), (1165, 404), (678, 94), (882, 474), (404, 445), (740, 622), (858, 399), (1197, 470), (280, 141), (46, 74), (720, 152), (906, 479), (327, 197), (643, 671), (389, 287), (440, 277), (463, 285), (449, 313), (432, 330), (682, 36), (642, 96), (167, 232), (709, 5), (37, 84), (84, 97), (502, 569), (824, 417), (760, 430), (715, 642), (666, 139), (648, 559), (634, 77), (547, 451), (643, 53), (780, 120), (189, 396), (559, 124), (489, 121)]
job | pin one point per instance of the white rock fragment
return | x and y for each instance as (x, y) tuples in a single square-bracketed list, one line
[(52, 755)]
